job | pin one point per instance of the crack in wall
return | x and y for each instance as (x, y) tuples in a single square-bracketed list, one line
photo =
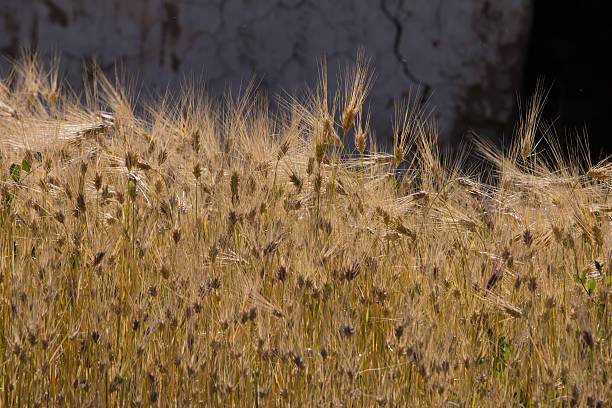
[(56, 14), (397, 24)]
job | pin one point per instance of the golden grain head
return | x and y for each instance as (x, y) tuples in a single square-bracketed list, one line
[(241, 270), (348, 118), (360, 142)]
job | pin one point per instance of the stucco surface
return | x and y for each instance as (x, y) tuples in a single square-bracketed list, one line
[(464, 56)]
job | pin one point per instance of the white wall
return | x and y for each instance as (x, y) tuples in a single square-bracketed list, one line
[(467, 54)]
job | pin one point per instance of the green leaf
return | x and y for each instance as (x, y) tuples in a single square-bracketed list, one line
[(581, 279), (8, 199), (591, 286), (507, 352), (15, 172), (25, 165), (503, 353)]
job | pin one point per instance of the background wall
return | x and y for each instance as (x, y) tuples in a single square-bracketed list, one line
[(466, 56)]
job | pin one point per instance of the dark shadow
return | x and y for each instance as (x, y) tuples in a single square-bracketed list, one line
[(568, 46)]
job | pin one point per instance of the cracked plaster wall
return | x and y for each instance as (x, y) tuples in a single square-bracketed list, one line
[(465, 56)]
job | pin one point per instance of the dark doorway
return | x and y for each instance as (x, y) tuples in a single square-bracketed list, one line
[(569, 43)]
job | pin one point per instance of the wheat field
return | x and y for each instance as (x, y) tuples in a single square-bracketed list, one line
[(187, 251)]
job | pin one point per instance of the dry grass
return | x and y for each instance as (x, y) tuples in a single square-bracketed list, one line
[(220, 254)]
